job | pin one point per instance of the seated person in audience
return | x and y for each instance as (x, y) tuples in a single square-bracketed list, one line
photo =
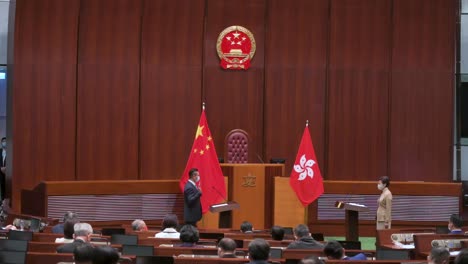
[(139, 225), (246, 227), (259, 251), (455, 224), (68, 231), (189, 236), (83, 254), (58, 229), (304, 239), (105, 255), (82, 234), (311, 260), (277, 233), (439, 255), (334, 250), (462, 257), (227, 248), (169, 225)]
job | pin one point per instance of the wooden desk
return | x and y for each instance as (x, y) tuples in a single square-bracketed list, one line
[(97, 200), (46, 237), (386, 248), (154, 241), (441, 198), (273, 243), (302, 253), (196, 260), (242, 236), (175, 251), (45, 257), (422, 242), (51, 247), (378, 262), (383, 237)]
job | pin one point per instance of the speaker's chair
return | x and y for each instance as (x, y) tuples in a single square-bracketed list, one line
[(236, 147)]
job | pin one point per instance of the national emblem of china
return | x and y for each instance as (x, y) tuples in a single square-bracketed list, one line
[(236, 47)]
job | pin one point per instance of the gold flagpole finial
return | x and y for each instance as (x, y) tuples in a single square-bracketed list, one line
[(203, 106), (307, 123)]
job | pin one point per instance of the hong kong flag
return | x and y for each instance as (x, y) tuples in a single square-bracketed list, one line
[(203, 157), (306, 179)]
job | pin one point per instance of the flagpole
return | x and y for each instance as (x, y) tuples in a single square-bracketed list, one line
[(306, 209)]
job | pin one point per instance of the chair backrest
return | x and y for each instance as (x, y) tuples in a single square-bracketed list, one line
[(318, 236), (13, 245), (236, 147), (124, 239), (13, 257), (20, 235), (154, 259), (442, 229), (136, 250), (276, 252), (111, 231), (350, 244)]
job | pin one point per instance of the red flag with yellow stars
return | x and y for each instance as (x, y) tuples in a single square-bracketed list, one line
[(203, 157)]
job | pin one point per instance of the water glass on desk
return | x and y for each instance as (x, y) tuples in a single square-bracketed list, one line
[(21, 225)]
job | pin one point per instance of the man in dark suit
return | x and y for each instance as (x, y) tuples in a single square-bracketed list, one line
[(227, 248), (83, 232), (259, 251), (334, 250), (304, 239), (3, 168), (192, 194), (455, 225), (58, 228)]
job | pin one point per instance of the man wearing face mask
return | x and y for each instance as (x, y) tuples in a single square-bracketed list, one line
[(384, 210), (3, 169), (455, 225), (192, 194)]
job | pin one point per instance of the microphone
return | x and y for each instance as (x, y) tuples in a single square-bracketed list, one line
[(259, 158), (220, 194)]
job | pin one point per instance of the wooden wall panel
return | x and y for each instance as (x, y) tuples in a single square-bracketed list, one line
[(108, 89), (234, 99), (43, 100), (422, 90), (360, 45), (171, 81), (295, 77), (375, 79)]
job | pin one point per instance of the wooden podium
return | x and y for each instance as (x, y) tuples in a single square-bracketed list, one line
[(225, 215), (352, 218), (252, 186)]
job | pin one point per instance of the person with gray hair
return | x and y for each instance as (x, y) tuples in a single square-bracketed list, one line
[(58, 229), (83, 232), (439, 255), (304, 239), (139, 225)]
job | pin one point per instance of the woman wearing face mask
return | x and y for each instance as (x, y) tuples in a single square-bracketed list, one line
[(384, 210)]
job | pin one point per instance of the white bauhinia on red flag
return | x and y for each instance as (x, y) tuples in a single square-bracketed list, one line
[(306, 179)]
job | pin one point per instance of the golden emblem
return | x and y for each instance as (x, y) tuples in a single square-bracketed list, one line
[(236, 48)]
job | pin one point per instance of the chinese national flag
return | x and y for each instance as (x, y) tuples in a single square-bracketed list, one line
[(203, 157), (306, 179)]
